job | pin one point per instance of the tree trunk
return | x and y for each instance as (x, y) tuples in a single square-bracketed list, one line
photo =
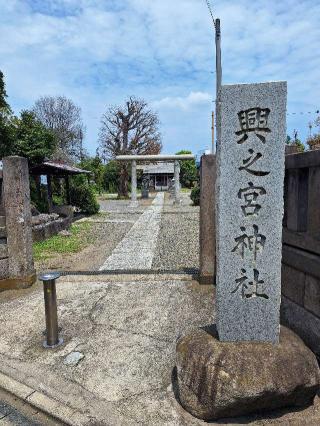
[(123, 183)]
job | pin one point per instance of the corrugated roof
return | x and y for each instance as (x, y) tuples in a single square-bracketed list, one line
[(161, 167), (56, 167)]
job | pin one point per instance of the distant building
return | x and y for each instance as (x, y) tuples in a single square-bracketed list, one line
[(159, 174)]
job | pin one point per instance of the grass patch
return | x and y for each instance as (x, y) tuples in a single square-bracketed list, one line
[(107, 196), (79, 239)]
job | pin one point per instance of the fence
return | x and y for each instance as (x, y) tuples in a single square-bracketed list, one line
[(301, 247)]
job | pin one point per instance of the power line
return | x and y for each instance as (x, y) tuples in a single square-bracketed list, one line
[(211, 13), (304, 112)]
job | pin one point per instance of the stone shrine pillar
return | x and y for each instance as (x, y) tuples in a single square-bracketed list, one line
[(239, 366), (250, 176), (176, 182), (134, 201), (207, 220), (16, 193)]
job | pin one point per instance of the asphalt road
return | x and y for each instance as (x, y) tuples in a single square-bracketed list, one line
[(15, 412)]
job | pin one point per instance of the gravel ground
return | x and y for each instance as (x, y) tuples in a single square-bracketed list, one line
[(106, 238), (178, 242), (177, 246)]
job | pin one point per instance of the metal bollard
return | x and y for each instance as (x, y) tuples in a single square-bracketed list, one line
[(50, 303)]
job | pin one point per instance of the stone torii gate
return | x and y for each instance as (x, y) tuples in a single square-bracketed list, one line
[(154, 158)]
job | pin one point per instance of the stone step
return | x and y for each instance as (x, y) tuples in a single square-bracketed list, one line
[(3, 232), (2, 221), (3, 251)]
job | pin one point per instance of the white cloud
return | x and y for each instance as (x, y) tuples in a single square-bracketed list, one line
[(194, 99), (98, 52)]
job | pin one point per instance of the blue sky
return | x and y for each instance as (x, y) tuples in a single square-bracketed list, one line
[(98, 52)]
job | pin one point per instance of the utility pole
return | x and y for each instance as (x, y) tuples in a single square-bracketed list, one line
[(218, 75), (212, 133), (218, 55), (217, 27)]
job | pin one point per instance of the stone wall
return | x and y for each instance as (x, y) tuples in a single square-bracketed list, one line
[(300, 308), (46, 230)]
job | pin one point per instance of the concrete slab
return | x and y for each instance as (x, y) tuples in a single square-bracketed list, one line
[(127, 331)]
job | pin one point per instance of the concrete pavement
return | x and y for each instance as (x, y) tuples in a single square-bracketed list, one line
[(126, 332), (126, 329)]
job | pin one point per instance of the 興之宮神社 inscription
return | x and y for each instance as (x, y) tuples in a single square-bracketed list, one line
[(250, 174)]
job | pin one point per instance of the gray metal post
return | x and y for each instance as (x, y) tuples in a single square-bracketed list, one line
[(176, 182), (133, 182), (50, 303)]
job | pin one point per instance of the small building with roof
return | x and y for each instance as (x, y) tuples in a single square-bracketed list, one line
[(160, 174), (59, 170)]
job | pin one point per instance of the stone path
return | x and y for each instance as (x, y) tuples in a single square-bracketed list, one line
[(137, 249)]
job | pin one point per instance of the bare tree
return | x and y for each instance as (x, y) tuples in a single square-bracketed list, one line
[(129, 129), (63, 117)]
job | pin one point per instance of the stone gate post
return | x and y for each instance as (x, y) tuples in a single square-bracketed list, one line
[(16, 195), (176, 182), (207, 220), (134, 202)]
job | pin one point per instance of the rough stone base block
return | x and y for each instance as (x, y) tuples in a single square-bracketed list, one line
[(4, 268), (224, 379), (17, 283), (3, 251)]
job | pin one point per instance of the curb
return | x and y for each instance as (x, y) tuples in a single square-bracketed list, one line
[(49, 406)]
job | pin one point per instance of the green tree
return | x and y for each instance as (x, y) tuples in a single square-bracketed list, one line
[(188, 170), (111, 177), (82, 195), (295, 142), (314, 140), (300, 145), (95, 165), (195, 195), (6, 136), (4, 106), (31, 139)]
